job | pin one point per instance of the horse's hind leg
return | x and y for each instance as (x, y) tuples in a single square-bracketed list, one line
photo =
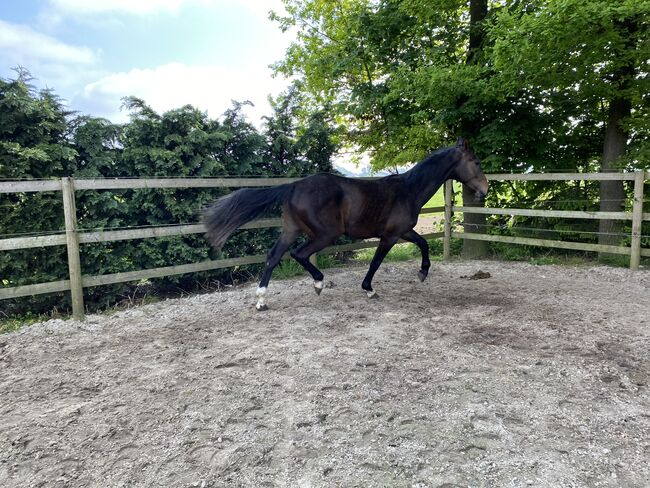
[(383, 248), (418, 240), (274, 256), (303, 253)]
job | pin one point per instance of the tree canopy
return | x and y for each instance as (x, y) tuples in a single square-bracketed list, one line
[(538, 88)]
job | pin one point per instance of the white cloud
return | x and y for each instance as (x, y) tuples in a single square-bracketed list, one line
[(173, 85), (144, 7), (128, 6), (22, 45)]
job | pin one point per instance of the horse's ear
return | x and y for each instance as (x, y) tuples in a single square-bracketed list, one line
[(463, 144)]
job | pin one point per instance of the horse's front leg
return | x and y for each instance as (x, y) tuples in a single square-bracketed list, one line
[(418, 240), (385, 245)]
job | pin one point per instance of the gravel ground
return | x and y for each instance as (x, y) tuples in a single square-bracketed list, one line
[(535, 376)]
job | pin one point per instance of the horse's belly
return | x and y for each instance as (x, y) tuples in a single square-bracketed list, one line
[(362, 230), (361, 235)]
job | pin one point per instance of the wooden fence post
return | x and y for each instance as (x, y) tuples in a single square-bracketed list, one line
[(72, 241), (446, 243), (637, 219)]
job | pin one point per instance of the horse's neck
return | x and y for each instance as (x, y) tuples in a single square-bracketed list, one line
[(428, 176)]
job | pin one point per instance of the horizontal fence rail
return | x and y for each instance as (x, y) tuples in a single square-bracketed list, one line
[(565, 214), (30, 186), (560, 176), (133, 184), (73, 237), (529, 241)]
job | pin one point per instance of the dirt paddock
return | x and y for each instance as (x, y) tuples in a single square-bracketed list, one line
[(536, 376)]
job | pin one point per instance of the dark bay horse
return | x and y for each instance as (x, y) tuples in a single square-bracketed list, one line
[(326, 206)]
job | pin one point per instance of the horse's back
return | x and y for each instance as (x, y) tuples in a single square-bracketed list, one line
[(318, 190), (325, 190)]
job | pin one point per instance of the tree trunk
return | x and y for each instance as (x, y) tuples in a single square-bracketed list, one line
[(475, 223), (612, 194)]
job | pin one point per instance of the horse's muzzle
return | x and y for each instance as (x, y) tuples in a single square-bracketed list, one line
[(480, 191)]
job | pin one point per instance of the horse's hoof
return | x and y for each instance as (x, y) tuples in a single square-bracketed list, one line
[(372, 294), (422, 276), (318, 287), (261, 308)]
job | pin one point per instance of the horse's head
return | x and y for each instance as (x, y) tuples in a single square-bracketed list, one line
[(468, 169)]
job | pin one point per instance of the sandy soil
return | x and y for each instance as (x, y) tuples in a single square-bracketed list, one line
[(537, 376)]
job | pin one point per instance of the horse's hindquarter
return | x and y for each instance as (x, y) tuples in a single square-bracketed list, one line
[(316, 205)]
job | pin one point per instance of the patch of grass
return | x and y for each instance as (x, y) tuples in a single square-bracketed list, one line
[(327, 261), (407, 251), (399, 252), (509, 252), (438, 200), (436, 248), (615, 260), (560, 260), (289, 268), (11, 324), (546, 256)]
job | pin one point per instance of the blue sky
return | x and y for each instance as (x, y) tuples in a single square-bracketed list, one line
[(168, 52)]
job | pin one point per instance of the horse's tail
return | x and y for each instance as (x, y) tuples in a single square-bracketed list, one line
[(231, 211)]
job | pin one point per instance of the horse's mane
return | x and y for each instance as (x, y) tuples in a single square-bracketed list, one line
[(429, 166)]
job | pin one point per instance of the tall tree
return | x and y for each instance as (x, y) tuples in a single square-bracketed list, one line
[(404, 77), (33, 144), (591, 55), (471, 127), (301, 138)]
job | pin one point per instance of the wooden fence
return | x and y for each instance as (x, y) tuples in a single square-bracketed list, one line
[(72, 238)]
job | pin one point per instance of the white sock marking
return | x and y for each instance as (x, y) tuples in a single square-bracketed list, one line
[(260, 293), (318, 284)]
